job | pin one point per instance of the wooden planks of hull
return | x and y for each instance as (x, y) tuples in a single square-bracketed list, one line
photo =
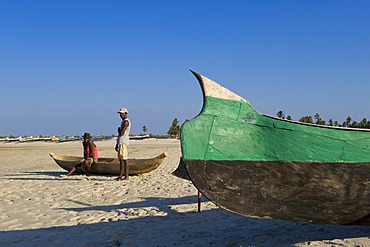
[(313, 192)]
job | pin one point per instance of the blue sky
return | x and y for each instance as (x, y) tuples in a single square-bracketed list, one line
[(66, 67)]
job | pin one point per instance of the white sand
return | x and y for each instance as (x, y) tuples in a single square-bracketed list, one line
[(38, 208)]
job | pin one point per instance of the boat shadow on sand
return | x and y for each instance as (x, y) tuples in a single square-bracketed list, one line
[(212, 227), (47, 175), (23, 175)]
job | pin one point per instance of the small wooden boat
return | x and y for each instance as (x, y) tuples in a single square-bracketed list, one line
[(139, 137), (257, 165), (111, 165)]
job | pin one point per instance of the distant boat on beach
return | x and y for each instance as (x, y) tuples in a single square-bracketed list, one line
[(69, 138), (22, 139), (26, 139), (258, 165), (101, 138), (139, 137)]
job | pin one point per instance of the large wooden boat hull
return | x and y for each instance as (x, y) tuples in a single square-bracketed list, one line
[(257, 165), (111, 165)]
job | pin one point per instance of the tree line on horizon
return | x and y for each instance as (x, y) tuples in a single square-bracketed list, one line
[(173, 131), (316, 119)]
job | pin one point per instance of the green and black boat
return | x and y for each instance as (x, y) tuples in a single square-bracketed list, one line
[(258, 165)]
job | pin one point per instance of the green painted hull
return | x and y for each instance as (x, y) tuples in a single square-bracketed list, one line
[(291, 157), (233, 130)]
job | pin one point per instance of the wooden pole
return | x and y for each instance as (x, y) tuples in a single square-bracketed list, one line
[(199, 196)]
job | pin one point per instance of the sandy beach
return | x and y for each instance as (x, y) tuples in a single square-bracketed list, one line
[(39, 208)]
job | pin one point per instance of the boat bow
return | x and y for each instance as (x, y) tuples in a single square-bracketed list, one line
[(256, 165)]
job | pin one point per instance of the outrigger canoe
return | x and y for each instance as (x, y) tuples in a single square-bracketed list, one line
[(111, 165), (258, 165)]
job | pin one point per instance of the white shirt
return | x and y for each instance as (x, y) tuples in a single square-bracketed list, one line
[(124, 139)]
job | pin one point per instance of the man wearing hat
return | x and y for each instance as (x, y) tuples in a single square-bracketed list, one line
[(90, 156), (122, 143)]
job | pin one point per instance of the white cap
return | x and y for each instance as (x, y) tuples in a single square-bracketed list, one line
[(122, 110)]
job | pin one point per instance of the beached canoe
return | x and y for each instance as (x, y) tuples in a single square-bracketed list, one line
[(111, 165), (139, 137), (257, 165)]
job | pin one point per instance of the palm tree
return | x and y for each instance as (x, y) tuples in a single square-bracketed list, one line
[(348, 121), (355, 124), (280, 114), (363, 123), (145, 129), (174, 130), (306, 119), (330, 123), (319, 120)]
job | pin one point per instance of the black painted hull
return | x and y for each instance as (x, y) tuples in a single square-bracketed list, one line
[(313, 192)]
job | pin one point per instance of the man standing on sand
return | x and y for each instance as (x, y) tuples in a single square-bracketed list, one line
[(122, 144)]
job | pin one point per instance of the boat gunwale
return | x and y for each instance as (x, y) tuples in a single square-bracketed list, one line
[(317, 125), (100, 160)]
